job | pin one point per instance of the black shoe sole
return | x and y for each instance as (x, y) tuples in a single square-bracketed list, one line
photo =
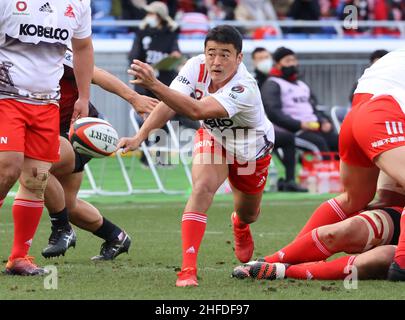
[(13, 273), (48, 255), (396, 273)]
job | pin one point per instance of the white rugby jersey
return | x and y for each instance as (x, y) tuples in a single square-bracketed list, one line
[(34, 35), (246, 133), (386, 77)]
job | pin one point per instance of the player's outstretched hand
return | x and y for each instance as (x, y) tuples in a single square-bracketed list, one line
[(143, 73), (143, 104), (128, 144), (80, 110)]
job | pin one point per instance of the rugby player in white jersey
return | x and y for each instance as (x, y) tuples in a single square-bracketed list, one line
[(234, 141), (34, 36)]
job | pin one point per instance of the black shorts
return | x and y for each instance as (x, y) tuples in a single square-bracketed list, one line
[(80, 161), (396, 220)]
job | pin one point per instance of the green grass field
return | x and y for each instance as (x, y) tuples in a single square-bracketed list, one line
[(149, 271)]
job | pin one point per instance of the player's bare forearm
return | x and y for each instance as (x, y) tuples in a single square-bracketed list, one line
[(179, 102), (109, 82), (156, 120), (83, 65), (112, 84)]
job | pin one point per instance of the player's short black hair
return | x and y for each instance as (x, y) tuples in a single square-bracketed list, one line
[(225, 34), (377, 54), (257, 50)]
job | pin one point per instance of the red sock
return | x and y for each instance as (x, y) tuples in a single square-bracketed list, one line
[(322, 270), (400, 252), (192, 232), (327, 213), (304, 249), (26, 216), (1, 202)]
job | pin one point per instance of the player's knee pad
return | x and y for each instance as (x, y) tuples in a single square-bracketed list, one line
[(380, 228), (35, 179)]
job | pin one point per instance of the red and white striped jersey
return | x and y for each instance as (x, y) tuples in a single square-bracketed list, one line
[(386, 77), (247, 133), (34, 35)]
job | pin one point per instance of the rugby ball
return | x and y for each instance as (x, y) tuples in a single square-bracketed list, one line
[(93, 137)]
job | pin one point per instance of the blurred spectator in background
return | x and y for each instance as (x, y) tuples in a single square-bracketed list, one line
[(228, 8), (290, 104), (254, 10), (281, 7), (284, 140), (172, 5), (328, 8), (156, 39), (305, 10), (133, 9), (194, 25), (361, 13), (184, 6), (262, 62), (388, 10), (195, 16), (374, 57)]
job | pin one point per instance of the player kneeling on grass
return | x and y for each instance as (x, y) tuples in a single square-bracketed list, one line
[(373, 233), (66, 175), (234, 141)]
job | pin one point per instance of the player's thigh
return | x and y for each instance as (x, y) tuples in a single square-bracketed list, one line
[(11, 164), (66, 163), (208, 173), (389, 192), (374, 264), (350, 235), (393, 163), (359, 184), (248, 182)]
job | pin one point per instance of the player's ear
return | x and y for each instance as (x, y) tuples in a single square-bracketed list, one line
[(239, 58)]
